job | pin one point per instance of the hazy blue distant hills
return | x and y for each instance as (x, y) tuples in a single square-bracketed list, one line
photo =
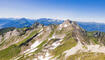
[(92, 26), (18, 23), (49, 21), (23, 22)]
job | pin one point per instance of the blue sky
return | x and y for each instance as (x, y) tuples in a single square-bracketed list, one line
[(80, 10)]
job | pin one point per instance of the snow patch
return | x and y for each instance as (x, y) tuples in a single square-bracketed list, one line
[(96, 48), (35, 44), (84, 48), (60, 27), (65, 25), (33, 47), (53, 36), (41, 57), (55, 45), (74, 49)]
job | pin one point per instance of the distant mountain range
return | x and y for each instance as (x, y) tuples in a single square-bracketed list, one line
[(18, 23), (92, 26), (23, 22)]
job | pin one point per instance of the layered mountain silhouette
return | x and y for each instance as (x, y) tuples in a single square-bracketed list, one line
[(23, 22)]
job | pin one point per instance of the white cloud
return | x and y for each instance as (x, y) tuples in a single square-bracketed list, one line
[(97, 20)]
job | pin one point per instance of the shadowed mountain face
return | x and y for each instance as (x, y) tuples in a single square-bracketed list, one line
[(23, 22), (66, 41)]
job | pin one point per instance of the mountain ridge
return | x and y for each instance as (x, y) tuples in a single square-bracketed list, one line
[(65, 41)]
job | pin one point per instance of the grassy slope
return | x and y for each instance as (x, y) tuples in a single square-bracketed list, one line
[(40, 47), (31, 35), (67, 43), (14, 50), (87, 56), (9, 52), (91, 38)]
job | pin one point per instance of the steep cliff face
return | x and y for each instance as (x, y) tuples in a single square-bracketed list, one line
[(66, 41)]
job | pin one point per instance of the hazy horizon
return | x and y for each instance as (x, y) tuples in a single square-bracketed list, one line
[(76, 10)]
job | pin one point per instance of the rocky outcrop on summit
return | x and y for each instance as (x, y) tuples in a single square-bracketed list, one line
[(36, 25)]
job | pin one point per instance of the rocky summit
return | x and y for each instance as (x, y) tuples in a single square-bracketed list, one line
[(66, 41)]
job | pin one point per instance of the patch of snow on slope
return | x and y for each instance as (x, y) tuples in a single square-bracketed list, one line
[(65, 25), (89, 48), (74, 49), (53, 36), (41, 57), (55, 44), (33, 47), (35, 44), (41, 30), (60, 27), (96, 48)]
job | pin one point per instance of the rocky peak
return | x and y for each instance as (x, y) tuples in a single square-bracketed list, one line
[(11, 33), (68, 24), (36, 25), (97, 34), (67, 21)]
